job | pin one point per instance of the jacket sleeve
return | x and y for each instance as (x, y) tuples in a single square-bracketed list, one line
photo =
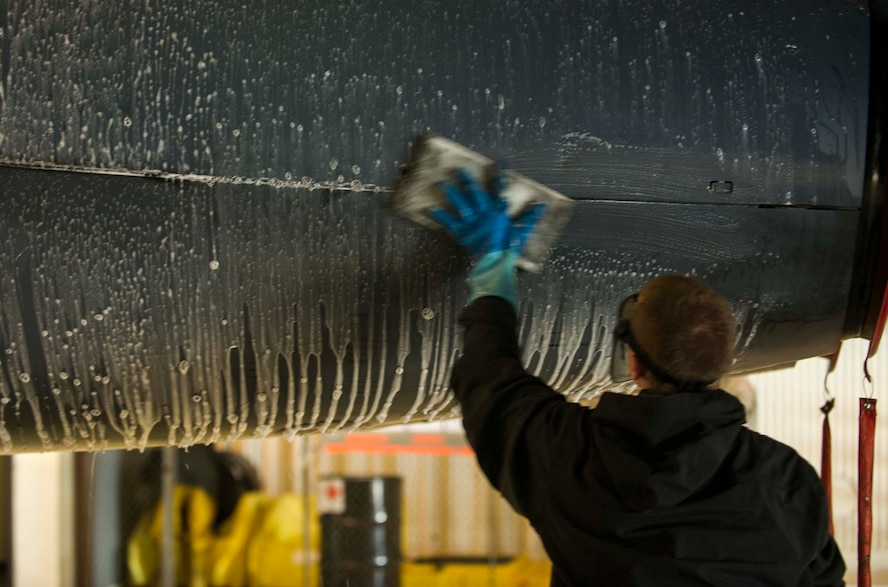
[(512, 419), (828, 568)]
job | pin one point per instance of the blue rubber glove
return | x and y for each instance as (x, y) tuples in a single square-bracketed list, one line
[(492, 238)]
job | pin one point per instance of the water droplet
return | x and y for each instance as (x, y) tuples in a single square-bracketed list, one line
[(428, 313), (261, 397), (56, 391), (124, 414), (236, 132), (399, 371), (304, 380), (24, 377), (231, 418), (214, 265), (99, 317), (127, 121), (196, 398), (96, 412), (662, 24), (381, 417), (334, 163), (63, 375), (356, 169), (184, 366)]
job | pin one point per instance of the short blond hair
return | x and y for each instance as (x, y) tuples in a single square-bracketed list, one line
[(685, 327)]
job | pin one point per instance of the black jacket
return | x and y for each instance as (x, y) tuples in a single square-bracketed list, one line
[(643, 490)]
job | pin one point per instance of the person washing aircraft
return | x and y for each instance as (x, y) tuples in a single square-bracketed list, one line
[(663, 488)]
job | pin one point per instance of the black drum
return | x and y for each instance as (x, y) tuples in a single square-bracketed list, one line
[(361, 547)]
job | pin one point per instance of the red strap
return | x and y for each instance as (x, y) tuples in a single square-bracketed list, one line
[(826, 459), (865, 490)]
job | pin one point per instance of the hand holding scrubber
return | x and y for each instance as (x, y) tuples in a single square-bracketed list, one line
[(512, 225), (492, 238), (481, 223), (435, 163)]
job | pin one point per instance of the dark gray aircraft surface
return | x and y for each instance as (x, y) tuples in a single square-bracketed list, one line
[(195, 243)]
